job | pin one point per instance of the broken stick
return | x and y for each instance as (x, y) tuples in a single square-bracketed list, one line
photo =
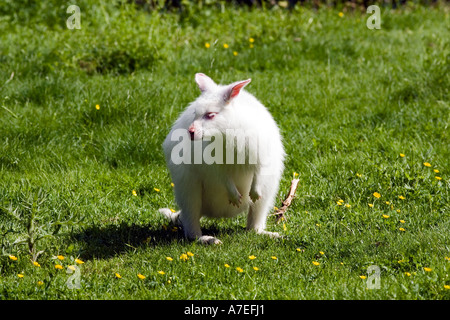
[(287, 202)]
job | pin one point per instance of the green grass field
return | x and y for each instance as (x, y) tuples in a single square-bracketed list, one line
[(363, 113)]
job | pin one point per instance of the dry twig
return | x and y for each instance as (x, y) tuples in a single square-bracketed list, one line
[(287, 202)]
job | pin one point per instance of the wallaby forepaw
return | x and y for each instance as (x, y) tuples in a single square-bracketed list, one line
[(254, 195), (209, 240), (235, 199)]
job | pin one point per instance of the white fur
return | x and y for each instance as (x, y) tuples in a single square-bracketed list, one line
[(225, 190)]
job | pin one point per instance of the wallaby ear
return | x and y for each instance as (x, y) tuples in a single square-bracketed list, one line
[(234, 89), (204, 82)]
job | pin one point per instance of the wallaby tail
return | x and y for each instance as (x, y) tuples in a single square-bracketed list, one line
[(169, 214)]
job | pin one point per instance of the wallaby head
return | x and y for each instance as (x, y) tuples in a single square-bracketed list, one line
[(214, 102)]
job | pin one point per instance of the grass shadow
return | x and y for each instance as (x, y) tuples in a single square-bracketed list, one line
[(111, 240)]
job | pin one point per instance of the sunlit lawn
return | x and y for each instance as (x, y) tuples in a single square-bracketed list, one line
[(364, 116)]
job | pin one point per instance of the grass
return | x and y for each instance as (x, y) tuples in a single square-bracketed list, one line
[(349, 101)]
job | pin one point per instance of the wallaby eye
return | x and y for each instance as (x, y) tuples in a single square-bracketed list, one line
[(210, 115)]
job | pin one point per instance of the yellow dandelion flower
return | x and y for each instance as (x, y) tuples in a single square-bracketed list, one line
[(402, 221), (97, 106), (79, 261), (169, 258), (239, 269), (36, 264), (134, 193), (427, 269), (427, 164), (156, 189), (387, 202), (402, 155), (190, 254), (407, 274), (447, 258), (172, 184), (58, 266), (72, 268), (20, 275), (359, 175), (341, 14), (347, 205), (207, 45), (446, 286), (300, 250), (226, 46), (235, 53), (274, 258), (371, 205), (385, 216), (438, 178), (251, 40), (60, 257), (316, 263), (321, 252), (339, 203), (401, 229), (436, 170), (184, 257), (141, 276), (40, 283), (255, 268), (363, 277), (398, 211), (252, 257), (161, 272), (376, 195), (401, 197), (13, 258), (173, 210), (118, 276), (284, 227), (226, 265)]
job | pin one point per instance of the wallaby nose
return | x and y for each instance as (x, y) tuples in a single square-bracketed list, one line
[(192, 131)]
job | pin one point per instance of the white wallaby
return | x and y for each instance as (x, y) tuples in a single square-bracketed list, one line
[(225, 156)]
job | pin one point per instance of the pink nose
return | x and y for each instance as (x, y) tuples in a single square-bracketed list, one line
[(192, 131)]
